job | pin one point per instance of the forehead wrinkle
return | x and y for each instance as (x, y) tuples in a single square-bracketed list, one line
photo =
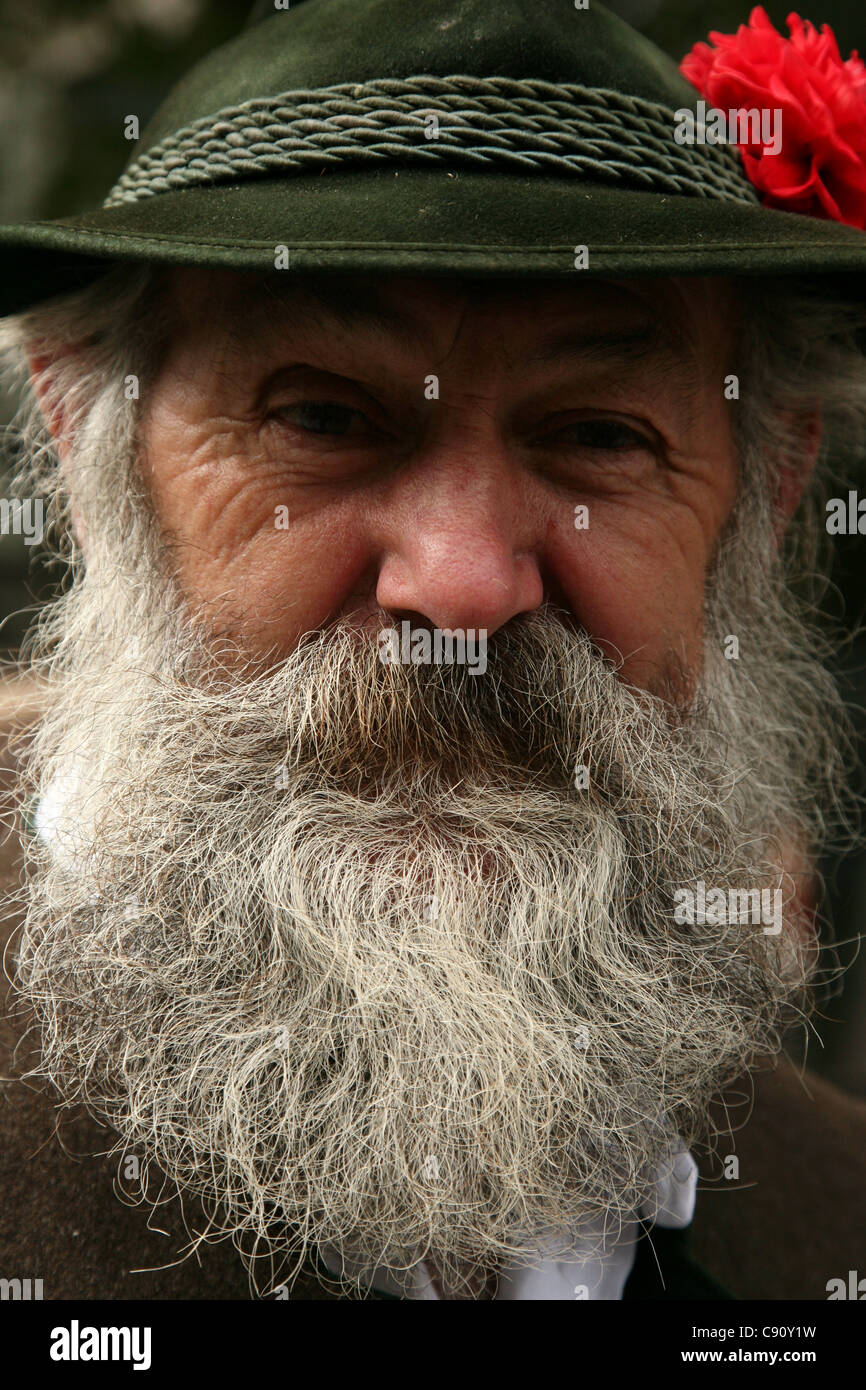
[(319, 304), (596, 346)]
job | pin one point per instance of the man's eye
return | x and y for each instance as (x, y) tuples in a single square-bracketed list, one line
[(612, 435), (323, 417)]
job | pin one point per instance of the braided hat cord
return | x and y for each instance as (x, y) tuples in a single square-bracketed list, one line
[(482, 122)]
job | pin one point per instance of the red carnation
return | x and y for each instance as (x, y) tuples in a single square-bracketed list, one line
[(821, 167)]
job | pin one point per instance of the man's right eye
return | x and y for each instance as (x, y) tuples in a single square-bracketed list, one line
[(323, 417)]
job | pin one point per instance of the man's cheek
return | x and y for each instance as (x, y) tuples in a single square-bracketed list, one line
[(639, 600)]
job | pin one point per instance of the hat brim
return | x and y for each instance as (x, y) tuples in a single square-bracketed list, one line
[(417, 221)]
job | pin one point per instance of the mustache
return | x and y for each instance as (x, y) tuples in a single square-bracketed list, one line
[(333, 710)]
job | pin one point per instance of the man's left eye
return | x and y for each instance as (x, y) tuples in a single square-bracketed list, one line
[(323, 417), (612, 435)]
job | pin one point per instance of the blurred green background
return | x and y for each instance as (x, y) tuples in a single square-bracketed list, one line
[(71, 70)]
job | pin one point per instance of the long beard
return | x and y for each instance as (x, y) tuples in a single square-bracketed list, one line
[(347, 950)]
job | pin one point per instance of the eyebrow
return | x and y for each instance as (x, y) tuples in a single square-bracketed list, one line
[(662, 348)]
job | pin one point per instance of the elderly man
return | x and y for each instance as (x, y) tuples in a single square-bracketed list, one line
[(423, 815)]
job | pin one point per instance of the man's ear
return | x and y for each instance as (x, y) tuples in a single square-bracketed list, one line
[(796, 469), (52, 412), (55, 418)]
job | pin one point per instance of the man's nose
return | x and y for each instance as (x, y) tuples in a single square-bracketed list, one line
[(468, 559)]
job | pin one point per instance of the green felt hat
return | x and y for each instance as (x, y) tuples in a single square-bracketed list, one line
[(482, 137)]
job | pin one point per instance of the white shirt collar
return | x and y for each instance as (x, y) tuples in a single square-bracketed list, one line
[(574, 1273)]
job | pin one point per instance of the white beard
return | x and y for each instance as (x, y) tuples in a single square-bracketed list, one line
[(325, 924)]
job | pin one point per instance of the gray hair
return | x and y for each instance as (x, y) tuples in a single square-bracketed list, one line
[(802, 351), (92, 342)]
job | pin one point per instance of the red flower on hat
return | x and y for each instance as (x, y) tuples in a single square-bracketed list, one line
[(820, 169)]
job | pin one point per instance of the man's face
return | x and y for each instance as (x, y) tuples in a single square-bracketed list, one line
[(305, 921), (452, 503)]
